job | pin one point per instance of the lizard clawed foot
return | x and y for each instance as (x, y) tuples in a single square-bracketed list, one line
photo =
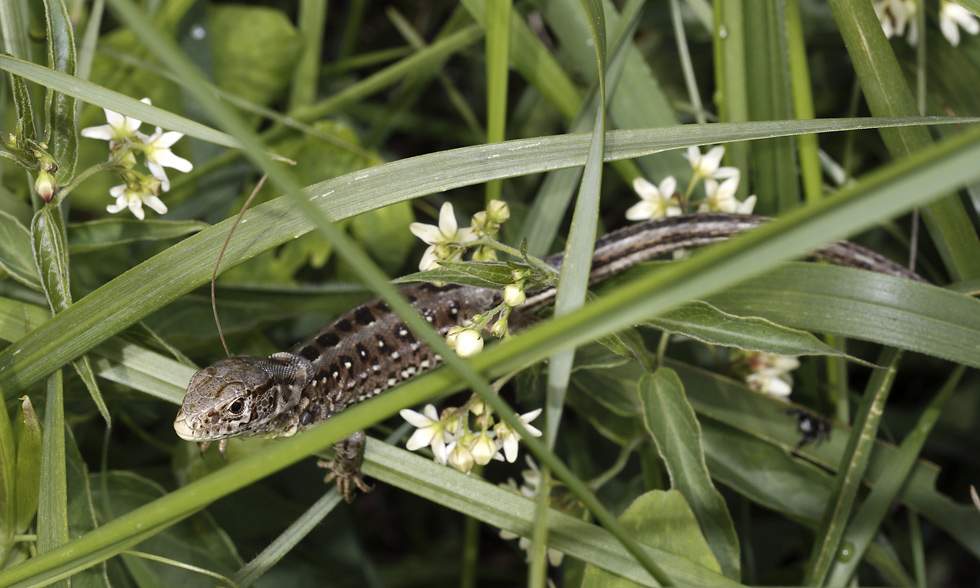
[(345, 467), (221, 448)]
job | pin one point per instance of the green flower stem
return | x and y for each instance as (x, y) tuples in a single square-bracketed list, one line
[(78, 179)]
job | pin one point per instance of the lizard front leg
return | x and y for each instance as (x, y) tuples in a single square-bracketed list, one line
[(345, 467)]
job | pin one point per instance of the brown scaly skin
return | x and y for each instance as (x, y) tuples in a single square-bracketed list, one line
[(369, 349)]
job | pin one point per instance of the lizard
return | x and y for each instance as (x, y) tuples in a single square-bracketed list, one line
[(368, 349)]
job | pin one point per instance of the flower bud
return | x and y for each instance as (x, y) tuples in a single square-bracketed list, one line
[(45, 185), (498, 211), (478, 222), (468, 343), (461, 458), (514, 295), (451, 335), (483, 449), (499, 328), (484, 253)]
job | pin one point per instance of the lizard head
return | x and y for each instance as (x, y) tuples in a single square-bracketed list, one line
[(242, 397)]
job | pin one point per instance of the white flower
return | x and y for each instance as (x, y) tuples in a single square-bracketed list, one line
[(118, 130), (721, 197), (706, 166), (554, 556), (655, 202), (483, 449), (893, 16), (952, 14), (437, 237), (158, 155), (468, 343), (430, 431), (507, 438), (134, 197), (532, 482), (771, 382)]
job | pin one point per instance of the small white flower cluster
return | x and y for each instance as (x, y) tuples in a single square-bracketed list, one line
[(529, 489), (765, 372), (468, 340), (898, 19), (663, 200), (448, 242), (125, 140), (452, 440)]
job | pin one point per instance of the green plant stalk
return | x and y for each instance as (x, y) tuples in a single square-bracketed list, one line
[(802, 95), (312, 21), (732, 78), (498, 69)]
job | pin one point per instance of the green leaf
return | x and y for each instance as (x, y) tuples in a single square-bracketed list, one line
[(61, 116), (27, 434), (14, 34), (862, 305), (16, 255), (84, 369), (52, 516), (51, 256), (671, 420), (196, 541), (254, 50), (113, 232), (705, 323), (660, 519), (482, 274), (8, 485), (382, 233)]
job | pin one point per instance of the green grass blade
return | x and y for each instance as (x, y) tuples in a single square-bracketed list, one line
[(732, 78), (105, 98), (275, 551), (811, 175), (864, 306), (868, 518), (888, 94), (774, 172), (498, 69), (312, 22), (852, 468)]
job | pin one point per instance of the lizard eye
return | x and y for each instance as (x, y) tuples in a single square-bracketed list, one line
[(236, 407)]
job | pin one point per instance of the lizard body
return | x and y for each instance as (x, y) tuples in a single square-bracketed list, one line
[(369, 349)]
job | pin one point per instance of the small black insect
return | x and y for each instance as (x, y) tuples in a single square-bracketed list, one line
[(812, 428)]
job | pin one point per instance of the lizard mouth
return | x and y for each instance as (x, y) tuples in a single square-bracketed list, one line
[(183, 431)]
